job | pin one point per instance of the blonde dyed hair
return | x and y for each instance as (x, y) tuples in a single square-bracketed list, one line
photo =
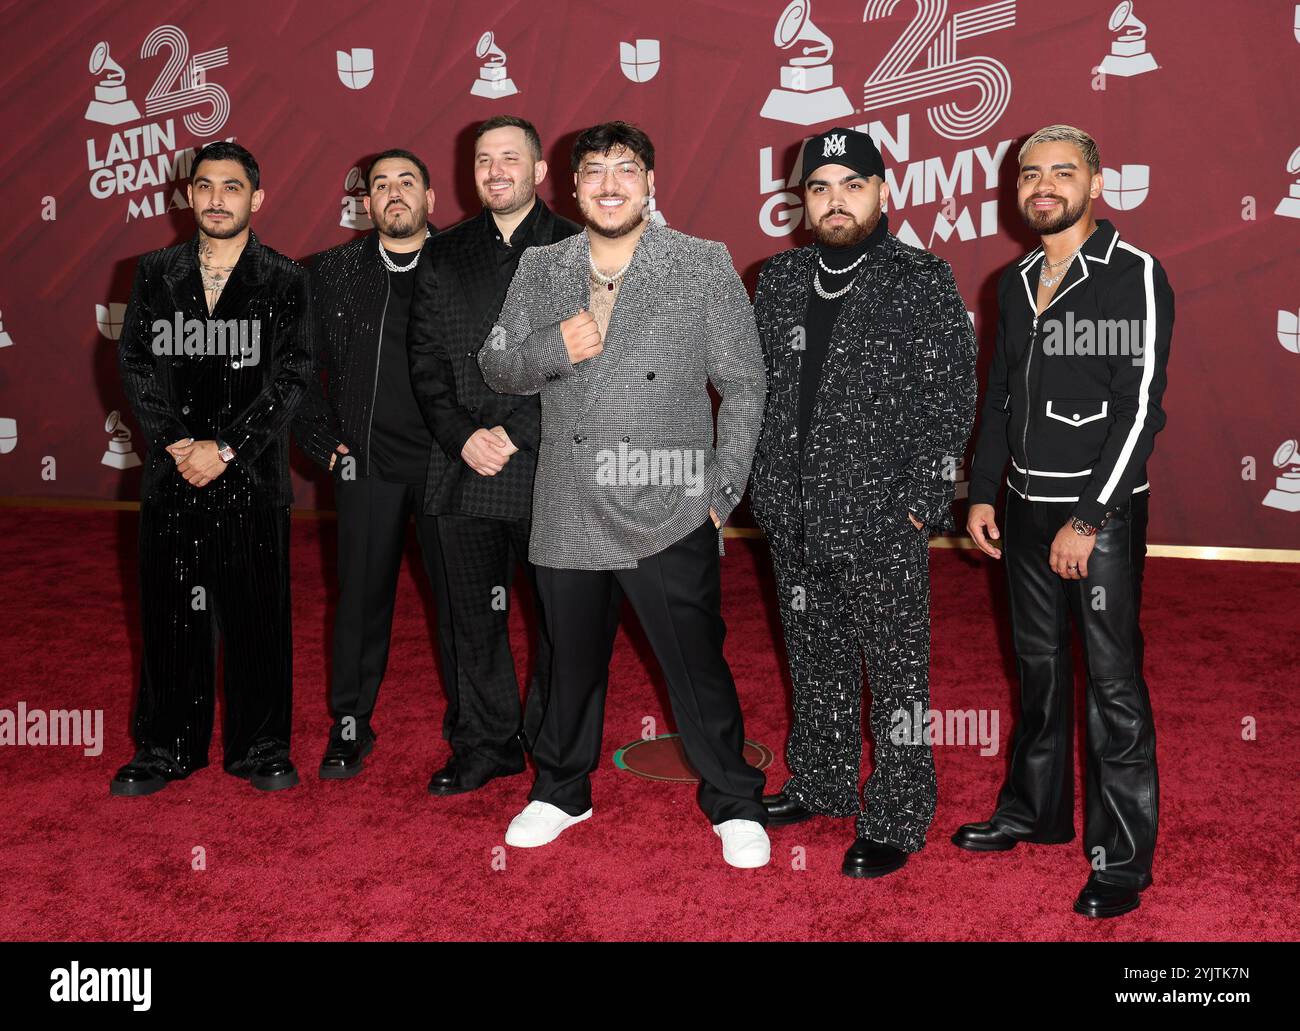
[(1065, 134)]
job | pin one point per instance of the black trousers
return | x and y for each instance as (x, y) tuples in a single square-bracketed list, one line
[(877, 606), (1037, 800), (373, 515), (480, 556), (203, 575), (677, 596)]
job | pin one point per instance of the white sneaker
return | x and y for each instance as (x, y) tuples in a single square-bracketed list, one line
[(539, 824), (744, 843)]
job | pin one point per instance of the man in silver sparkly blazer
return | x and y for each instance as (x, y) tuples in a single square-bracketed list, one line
[(871, 374), (620, 329)]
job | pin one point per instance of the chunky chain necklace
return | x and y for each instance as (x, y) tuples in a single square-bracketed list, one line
[(1049, 281), (392, 266)]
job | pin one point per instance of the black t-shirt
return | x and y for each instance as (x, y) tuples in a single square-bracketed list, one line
[(399, 439), (819, 320)]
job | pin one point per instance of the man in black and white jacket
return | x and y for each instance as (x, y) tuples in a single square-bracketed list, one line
[(1074, 404)]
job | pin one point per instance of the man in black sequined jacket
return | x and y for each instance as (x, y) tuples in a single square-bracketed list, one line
[(215, 355), (871, 393)]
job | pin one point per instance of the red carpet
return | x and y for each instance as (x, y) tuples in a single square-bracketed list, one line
[(376, 857)]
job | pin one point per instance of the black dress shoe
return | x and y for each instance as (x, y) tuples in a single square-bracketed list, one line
[(783, 810), (274, 775), (983, 837), (345, 759), (867, 858), (453, 780), (136, 779), (1099, 899)]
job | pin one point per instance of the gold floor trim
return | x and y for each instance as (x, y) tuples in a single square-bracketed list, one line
[(1197, 551)]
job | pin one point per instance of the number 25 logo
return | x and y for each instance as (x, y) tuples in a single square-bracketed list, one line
[(898, 80), (182, 85)]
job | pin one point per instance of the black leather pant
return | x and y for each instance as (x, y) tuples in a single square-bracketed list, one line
[(1037, 800)]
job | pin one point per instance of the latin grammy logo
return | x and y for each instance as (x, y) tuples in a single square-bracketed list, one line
[(120, 453), (807, 93), (354, 214), (1128, 53), (111, 105), (1285, 494), (493, 81), (1289, 206)]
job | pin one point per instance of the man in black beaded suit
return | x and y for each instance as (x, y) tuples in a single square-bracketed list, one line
[(871, 394), (215, 356)]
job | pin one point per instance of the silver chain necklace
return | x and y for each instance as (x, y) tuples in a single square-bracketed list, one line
[(392, 266), (1051, 281)]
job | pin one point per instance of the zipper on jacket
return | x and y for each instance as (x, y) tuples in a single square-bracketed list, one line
[(1029, 405), (379, 351)]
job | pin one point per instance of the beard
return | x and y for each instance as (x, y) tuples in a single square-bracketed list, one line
[(592, 207), (504, 203), (233, 227), (397, 221), (845, 235), (1055, 220)]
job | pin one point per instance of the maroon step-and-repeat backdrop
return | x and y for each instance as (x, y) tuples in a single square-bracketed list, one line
[(1194, 105)]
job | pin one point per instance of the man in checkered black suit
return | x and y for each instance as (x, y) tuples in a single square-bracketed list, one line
[(480, 478)]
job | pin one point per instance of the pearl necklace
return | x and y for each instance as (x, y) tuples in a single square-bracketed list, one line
[(604, 280), (392, 266), (840, 271)]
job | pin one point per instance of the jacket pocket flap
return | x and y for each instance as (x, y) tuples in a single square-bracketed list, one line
[(1077, 413)]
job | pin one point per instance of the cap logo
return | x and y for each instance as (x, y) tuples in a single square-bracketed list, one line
[(834, 146)]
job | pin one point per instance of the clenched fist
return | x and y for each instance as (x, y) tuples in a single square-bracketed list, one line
[(581, 337)]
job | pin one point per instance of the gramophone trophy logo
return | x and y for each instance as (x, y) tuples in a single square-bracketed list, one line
[(111, 105), (493, 81), (120, 453), (1285, 494), (807, 93), (1289, 206), (1128, 53), (354, 214)]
